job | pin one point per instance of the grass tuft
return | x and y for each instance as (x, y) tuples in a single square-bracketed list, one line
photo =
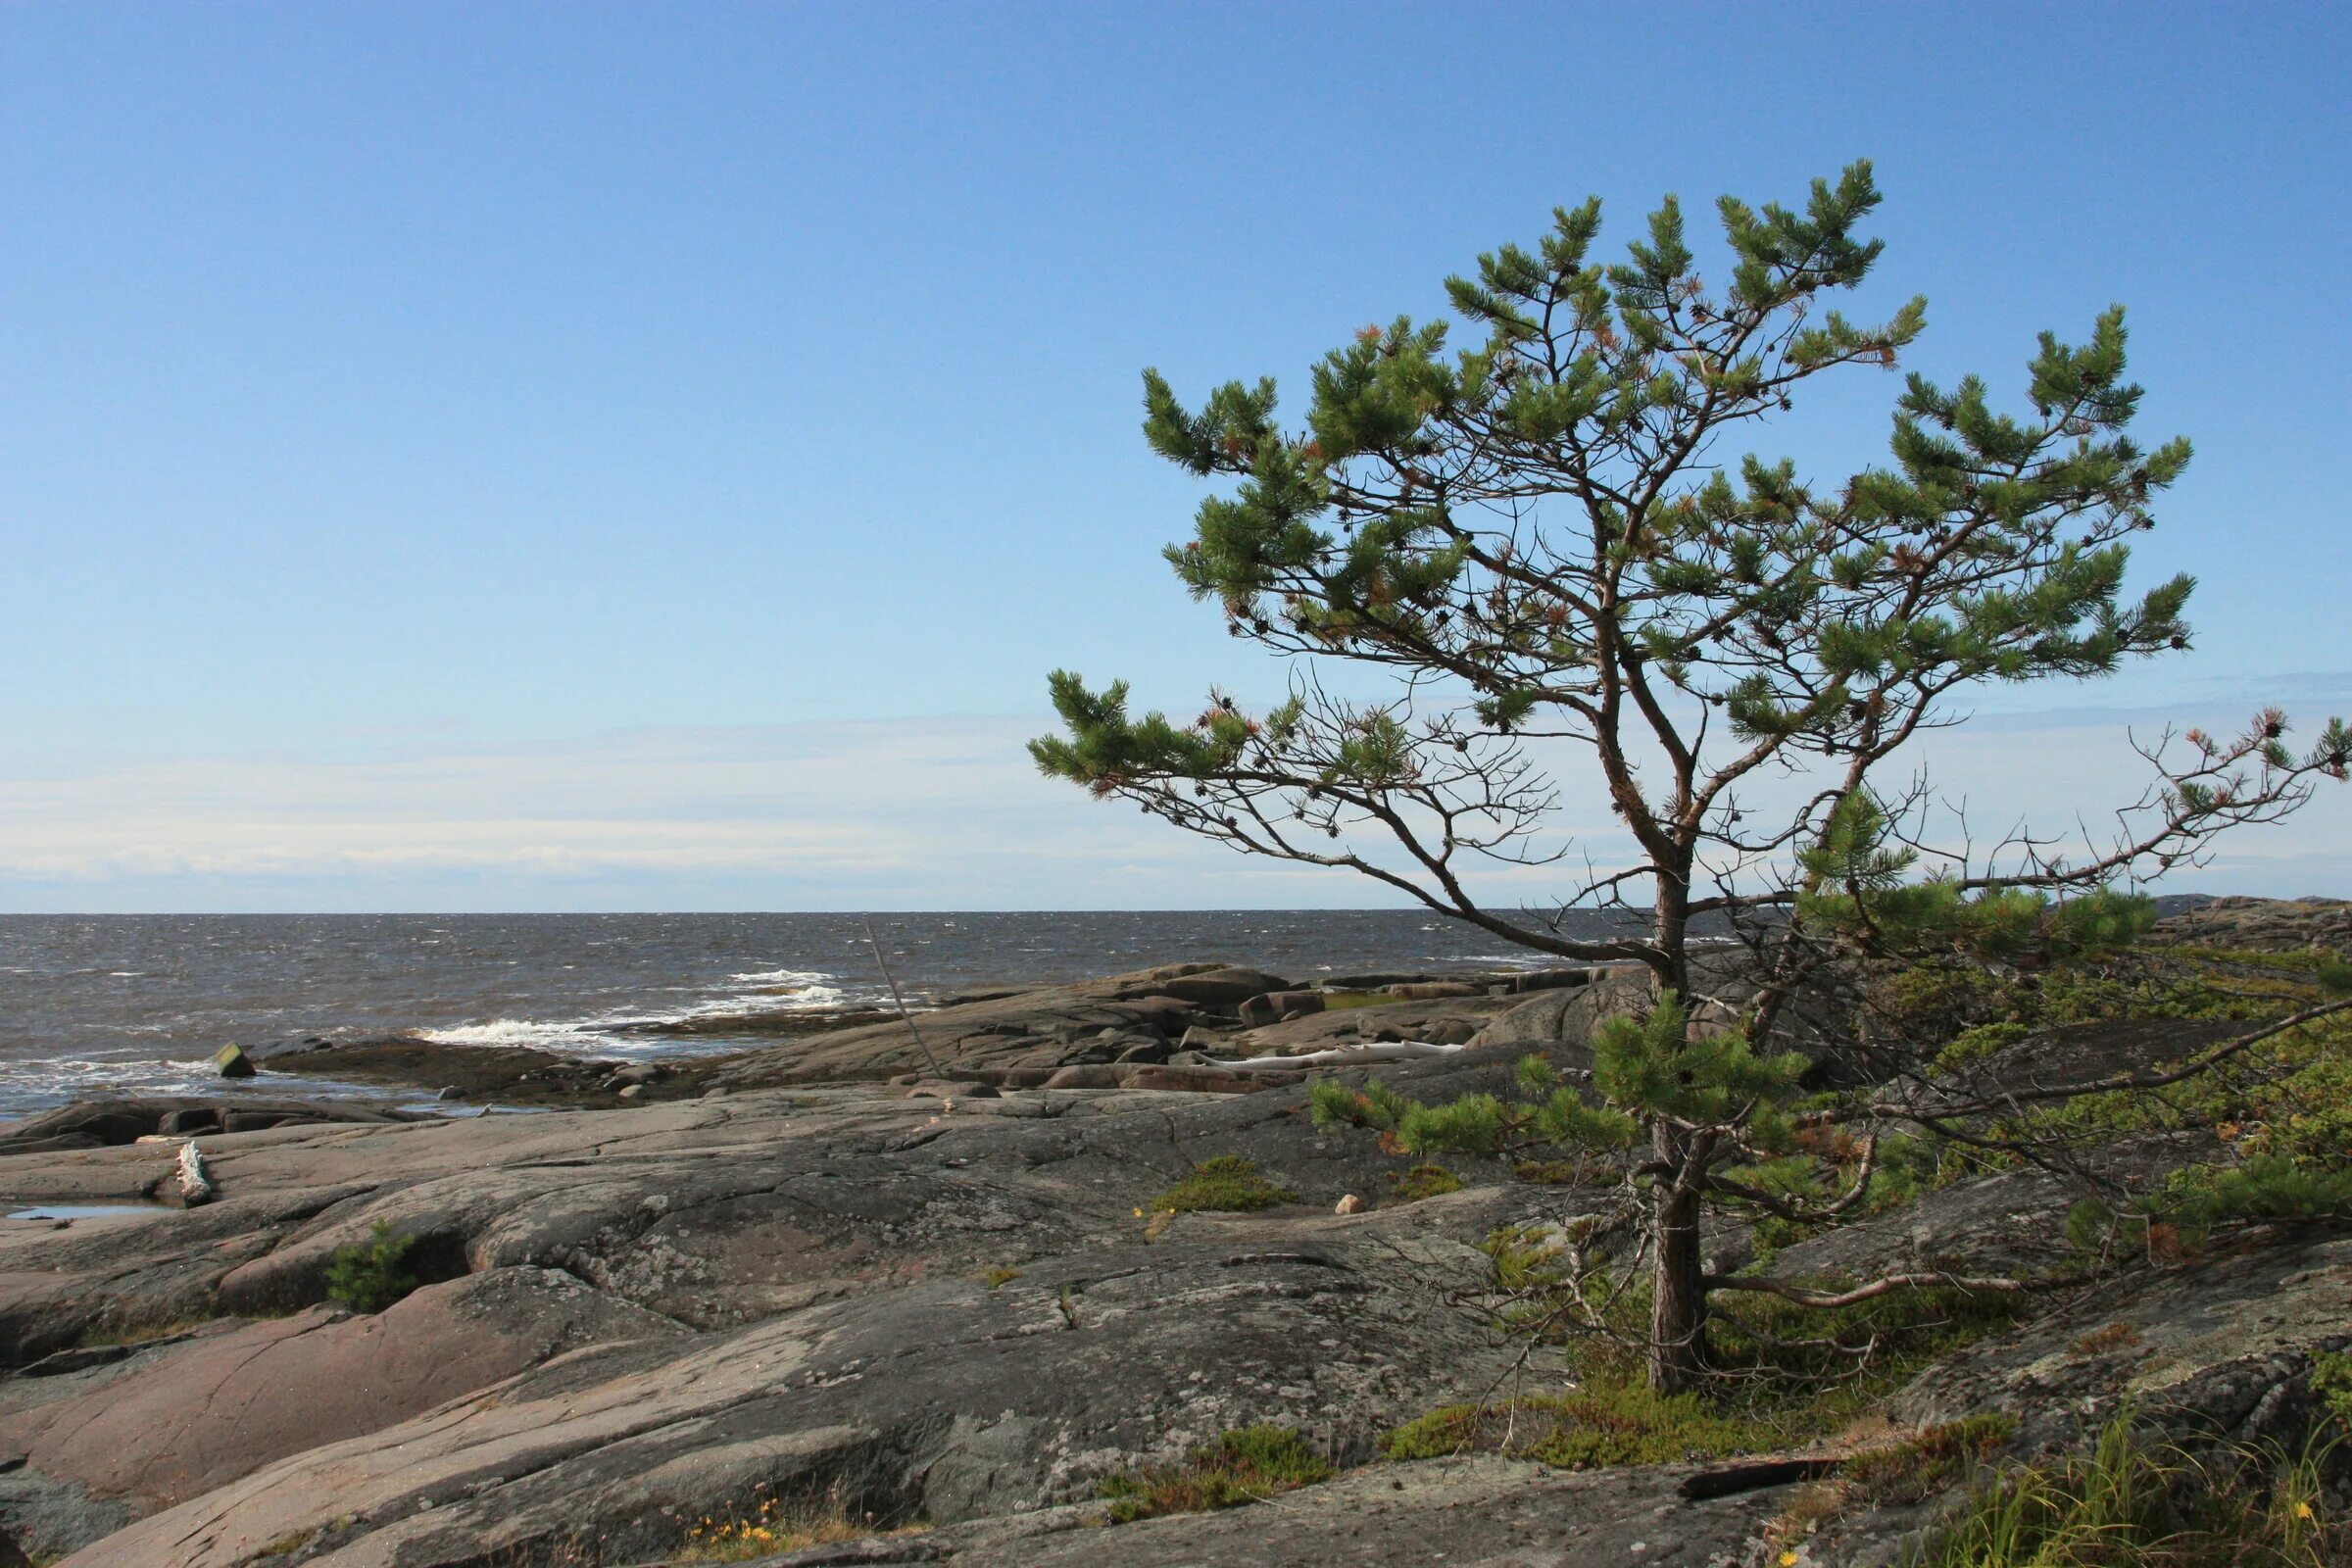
[(1938, 1458), (2128, 1504)]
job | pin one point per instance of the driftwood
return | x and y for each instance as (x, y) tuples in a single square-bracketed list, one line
[(194, 1186), (1342, 1056)]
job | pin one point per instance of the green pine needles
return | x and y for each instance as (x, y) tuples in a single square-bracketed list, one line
[(1643, 1067)]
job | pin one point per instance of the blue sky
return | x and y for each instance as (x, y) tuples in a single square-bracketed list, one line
[(644, 456)]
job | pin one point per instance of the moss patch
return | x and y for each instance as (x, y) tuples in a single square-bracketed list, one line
[(1604, 1422), (1229, 1184), (1424, 1180), (1342, 1001), (1242, 1467)]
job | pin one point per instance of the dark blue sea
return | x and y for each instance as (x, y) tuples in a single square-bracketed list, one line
[(135, 1004)]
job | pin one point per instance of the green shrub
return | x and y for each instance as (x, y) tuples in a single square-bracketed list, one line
[(1229, 1184), (370, 1276), (1978, 1044), (1242, 1466), (1375, 1105), (2331, 1381), (2268, 1186)]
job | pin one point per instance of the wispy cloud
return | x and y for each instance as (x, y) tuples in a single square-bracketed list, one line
[(940, 813)]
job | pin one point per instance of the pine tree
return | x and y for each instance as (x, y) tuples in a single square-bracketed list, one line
[(1547, 538)]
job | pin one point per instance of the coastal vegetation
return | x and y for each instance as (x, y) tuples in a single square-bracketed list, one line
[(1228, 1184), (372, 1275), (1552, 544), (1249, 1465)]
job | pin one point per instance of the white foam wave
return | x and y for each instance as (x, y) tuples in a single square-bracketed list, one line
[(538, 1034), (621, 1032), (779, 977), (26, 1086)]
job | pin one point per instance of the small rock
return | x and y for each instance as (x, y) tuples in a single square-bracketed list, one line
[(631, 1091), (451, 1091), (714, 1094), (230, 1061), (1350, 1204)]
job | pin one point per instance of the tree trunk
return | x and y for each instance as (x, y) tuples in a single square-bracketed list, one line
[(1677, 1319), (1670, 927)]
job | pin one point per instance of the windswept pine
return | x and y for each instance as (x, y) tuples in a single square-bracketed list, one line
[(1555, 537)]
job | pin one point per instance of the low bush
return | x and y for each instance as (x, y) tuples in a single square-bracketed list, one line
[(1242, 1467), (370, 1276)]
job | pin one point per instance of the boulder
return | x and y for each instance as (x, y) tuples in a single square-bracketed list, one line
[(99, 1123), (1194, 1080), (1096, 1075), (230, 1061), (2271, 925), (1534, 980), (1275, 1005), (1434, 990), (1563, 1020)]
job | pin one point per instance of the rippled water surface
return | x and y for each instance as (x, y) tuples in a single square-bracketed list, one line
[(137, 1003)]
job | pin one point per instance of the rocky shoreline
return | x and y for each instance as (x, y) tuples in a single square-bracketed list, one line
[(909, 1274)]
